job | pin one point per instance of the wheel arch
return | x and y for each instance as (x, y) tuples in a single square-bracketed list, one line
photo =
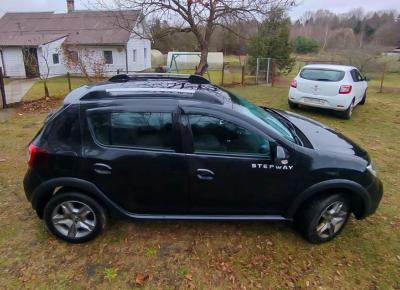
[(359, 197), (47, 189)]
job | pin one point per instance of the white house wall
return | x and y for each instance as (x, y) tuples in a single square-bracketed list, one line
[(143, 54), (13, 62), (45, 52)]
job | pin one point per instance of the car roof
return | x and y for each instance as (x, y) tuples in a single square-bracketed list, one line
[(330, 66), (152, 86)]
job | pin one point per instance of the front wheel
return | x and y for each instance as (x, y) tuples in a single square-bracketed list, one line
[(323, 218), (75, 217)]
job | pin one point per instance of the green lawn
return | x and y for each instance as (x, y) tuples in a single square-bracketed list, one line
[(211, 255)]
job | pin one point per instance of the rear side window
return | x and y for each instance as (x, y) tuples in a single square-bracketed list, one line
[(63, 131), (323, 75), (133, 129), (356, 76)]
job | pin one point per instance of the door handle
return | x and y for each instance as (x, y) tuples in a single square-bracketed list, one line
[(205, 174), (102, 168)]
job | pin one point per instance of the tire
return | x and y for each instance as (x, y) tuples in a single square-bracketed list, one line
[(362, 102), (323, 218), (292, 105), (75, 217), (348, 113)]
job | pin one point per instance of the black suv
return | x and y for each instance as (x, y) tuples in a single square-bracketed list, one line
[(153, 146)]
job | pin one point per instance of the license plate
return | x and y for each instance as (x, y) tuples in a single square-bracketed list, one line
[(314, 101)]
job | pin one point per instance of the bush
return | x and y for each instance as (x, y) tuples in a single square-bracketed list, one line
[(306, 45)]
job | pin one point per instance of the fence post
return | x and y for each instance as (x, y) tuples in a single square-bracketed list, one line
[(117, 71), (273, 73), (222, 73), (2, 90), (243, 74), (257, 68), (69, 82), (268, 65), (383, 77)]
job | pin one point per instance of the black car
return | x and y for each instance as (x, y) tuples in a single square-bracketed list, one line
[(153, 146)]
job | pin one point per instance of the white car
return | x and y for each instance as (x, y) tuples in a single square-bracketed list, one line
[(328, 86)]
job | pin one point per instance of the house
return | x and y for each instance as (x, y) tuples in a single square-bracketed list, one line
[(47, 42)]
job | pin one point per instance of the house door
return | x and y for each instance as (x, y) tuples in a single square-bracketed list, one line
[(31, 62)]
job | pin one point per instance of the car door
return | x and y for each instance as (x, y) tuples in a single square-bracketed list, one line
[(358, 85), (231, 168), (132, 154)]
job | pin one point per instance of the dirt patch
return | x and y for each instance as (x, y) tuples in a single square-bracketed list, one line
[(39, 106)]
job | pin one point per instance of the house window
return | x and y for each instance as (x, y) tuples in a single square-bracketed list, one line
[(145, 53), (108, 57), (134, 55), (56, 58)]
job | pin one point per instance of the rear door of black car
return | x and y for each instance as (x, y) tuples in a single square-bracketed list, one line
[(133, 155)]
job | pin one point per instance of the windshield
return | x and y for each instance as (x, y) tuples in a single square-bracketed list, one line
[(326, 75), (254, 111)]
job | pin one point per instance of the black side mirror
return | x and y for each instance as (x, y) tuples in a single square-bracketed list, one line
[(281, 156), (366, 79)]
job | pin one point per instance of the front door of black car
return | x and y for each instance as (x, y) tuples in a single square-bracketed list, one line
[(133, 159), (232, 169)]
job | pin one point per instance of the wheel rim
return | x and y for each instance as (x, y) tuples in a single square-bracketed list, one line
[(73, 219), (332, 219)]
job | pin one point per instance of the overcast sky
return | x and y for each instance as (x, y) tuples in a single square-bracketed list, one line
[(304, 5)]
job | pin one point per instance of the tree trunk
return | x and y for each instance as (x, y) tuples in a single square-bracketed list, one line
[(46, 90), (203, 65)]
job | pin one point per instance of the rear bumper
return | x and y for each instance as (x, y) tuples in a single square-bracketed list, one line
[(339, 102), (31, 182)]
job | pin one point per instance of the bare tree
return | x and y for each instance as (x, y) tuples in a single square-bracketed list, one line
[(85, 61), (201, 17)]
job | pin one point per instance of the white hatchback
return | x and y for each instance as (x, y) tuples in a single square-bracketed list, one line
[(328, 86)]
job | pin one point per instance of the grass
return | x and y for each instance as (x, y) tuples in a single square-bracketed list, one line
[(211, 255)]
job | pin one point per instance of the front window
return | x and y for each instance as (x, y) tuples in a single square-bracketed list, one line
[(133, 129), (213, 135), (108, 57), (56, 58), (268, 119), (324, 75)]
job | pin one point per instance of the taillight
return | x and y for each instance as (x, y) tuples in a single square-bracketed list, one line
[(35, 154), (293, 84), (345, 89)]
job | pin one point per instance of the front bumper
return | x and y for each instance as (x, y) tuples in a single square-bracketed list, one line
[(375, 191)]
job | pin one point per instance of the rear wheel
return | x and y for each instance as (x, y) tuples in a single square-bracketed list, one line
[(348, 113), (292, 105), (75, 217), (323, 218), (362, 102)]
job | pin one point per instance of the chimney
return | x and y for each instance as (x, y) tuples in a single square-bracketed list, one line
[(70, 6)]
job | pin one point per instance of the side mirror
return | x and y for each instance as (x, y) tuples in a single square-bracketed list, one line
[(281, 156), (366, 79)]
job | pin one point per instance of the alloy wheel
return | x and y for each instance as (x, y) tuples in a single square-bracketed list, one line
[(73, 219), (332, 219)]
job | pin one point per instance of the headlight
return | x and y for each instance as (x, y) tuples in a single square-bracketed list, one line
[(371, 168)]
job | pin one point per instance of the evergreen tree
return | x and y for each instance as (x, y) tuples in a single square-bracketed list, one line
[(272, 41)]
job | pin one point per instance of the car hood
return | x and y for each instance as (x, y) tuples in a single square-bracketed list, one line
[(324, 138)]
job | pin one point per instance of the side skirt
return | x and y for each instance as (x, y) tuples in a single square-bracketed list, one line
[(209, 217)]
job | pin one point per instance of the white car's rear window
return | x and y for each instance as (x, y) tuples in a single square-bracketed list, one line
[(323, 75)]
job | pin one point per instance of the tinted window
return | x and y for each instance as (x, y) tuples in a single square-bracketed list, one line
[(215, 135), (131, 129), (322, 75), (108, 57), (355, 74), (63, 132)]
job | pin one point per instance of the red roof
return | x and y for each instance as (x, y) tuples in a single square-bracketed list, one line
[(80, 27)]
